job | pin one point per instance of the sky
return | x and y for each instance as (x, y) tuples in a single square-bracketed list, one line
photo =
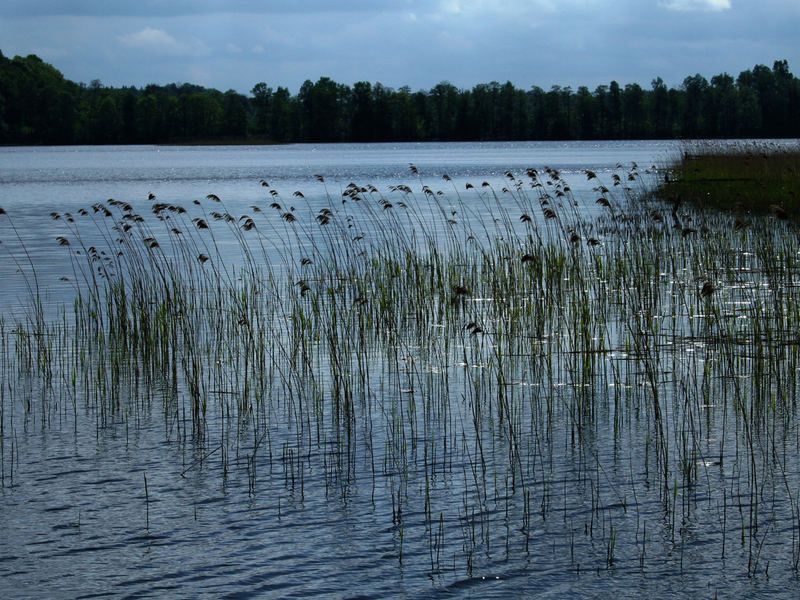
[(235, 44)]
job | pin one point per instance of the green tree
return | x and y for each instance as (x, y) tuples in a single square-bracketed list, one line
[(37, 105), (262, 106), (635, 125), (235, 117), (382, 112), (322, 110), (585, 114), (748, 113), (481, 123), (105, 122), (614, 104), (660, 109), (763, 82), (149, 120), (558, 113), (362, 114), (406, 116), (513, 118), (285, 117), (443, 111), (783, 82), (128, 116), (722, 107), (694, 112), (536, 102)]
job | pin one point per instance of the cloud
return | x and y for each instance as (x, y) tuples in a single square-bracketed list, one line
[(400, 42), (452, 7), (703, 5), (159, 41), (172, 8), (480, 9)]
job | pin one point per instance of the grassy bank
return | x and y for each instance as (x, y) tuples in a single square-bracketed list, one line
[(748, 178)]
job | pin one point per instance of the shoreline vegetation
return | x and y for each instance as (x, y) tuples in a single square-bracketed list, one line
[(493, 346), (743, 179), (38, 106)]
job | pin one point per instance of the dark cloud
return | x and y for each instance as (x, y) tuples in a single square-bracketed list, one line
[(402, 42)]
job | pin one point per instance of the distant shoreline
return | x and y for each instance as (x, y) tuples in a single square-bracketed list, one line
[(262, 142), (41, 106)]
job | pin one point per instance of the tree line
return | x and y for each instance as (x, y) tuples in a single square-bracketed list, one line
[(39, 106)]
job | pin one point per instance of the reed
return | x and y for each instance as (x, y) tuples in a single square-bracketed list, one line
[(756, 177), (568, 367)]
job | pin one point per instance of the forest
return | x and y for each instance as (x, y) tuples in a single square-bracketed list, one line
[(38, 105)]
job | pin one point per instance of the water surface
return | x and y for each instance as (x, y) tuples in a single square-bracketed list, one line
[(123, 498)]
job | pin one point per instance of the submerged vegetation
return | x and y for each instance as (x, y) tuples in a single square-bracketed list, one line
[(494, 369)]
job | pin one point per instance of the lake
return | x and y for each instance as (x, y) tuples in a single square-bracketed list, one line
[(390, 370), (40, 180)]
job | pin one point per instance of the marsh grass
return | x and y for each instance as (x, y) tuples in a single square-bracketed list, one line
[(492, 366), (758, 178)]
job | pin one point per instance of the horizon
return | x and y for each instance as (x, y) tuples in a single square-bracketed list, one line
[(237, 44)]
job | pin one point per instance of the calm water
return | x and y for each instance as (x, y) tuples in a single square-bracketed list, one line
[(125, 505), (35, 182)]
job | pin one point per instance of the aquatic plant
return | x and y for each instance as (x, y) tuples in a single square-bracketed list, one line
[(489, 364), (743, 178)]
